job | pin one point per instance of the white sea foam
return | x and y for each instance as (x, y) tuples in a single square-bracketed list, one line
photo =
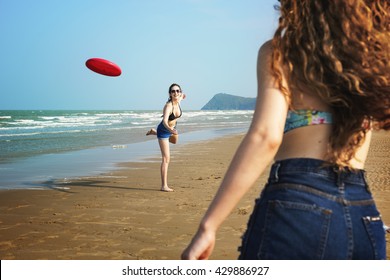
[(59, 130), (119, 135)]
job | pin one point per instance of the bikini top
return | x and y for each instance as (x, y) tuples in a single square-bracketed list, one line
[(300, 118), (172, 115)]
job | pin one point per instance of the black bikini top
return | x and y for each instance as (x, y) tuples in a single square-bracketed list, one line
[(172, 115)]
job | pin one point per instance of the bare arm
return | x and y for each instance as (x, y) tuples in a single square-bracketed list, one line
[(253, 155)]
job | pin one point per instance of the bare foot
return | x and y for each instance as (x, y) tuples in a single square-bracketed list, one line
[(151, 132), (167, 189)]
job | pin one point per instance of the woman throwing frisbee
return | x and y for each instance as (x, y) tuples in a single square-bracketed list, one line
[(166, 131)]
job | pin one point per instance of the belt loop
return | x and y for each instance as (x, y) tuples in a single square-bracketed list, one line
[(367, 186), (277, 172), (339, 179)]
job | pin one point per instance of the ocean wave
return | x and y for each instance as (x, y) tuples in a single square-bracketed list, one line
[(30, 132)]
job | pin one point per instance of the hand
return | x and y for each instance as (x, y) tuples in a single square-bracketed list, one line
[(174, 131), (200, 247), (183, 96)]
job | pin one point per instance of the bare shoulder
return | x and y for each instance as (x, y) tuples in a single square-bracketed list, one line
[(265, 51), (167, 108), (168, 104), (264, 66), (265, 56)]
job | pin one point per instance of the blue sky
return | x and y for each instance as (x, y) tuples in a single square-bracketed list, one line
[(207, 46)]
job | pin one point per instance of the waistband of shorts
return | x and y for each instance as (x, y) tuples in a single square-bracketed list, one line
[(310, 166)]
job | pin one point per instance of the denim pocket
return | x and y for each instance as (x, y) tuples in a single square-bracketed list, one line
[(294, 230), (376, 233), (245, 249)]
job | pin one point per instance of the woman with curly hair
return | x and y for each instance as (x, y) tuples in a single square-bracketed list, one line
[(323, 86)]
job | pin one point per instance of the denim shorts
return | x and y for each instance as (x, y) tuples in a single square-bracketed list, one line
[(311, 211), (163, 132)]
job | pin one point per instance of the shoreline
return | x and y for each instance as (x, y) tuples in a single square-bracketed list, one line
[(30, 172), (122, 215)]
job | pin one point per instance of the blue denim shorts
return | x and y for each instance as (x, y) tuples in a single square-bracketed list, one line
[(163, 132), (311, 211)]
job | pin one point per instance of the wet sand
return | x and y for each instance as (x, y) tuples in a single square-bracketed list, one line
[(122, 214)]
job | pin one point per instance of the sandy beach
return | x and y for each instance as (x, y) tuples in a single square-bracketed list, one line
[(122, 215)]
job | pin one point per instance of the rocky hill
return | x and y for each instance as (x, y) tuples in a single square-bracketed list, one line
[(224, 101)]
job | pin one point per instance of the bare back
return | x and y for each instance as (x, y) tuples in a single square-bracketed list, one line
[(313, 141)]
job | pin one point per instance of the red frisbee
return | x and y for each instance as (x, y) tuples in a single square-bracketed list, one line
[(104, 67)]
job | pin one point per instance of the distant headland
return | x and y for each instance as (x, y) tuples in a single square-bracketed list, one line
[(224, 101)]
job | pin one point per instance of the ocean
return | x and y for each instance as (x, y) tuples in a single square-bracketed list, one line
[(41, 146)]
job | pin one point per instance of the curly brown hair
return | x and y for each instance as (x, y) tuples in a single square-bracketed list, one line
[(339, 50)]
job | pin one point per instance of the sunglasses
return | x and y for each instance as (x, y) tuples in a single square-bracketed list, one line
[(175, 91)]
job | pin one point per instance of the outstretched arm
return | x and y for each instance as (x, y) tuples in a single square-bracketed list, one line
[(254, 154)]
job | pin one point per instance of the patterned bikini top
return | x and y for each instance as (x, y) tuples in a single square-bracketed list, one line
[(300, 118)]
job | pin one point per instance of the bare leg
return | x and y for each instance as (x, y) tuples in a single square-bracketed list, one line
[(151, 132), (165, 153)]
